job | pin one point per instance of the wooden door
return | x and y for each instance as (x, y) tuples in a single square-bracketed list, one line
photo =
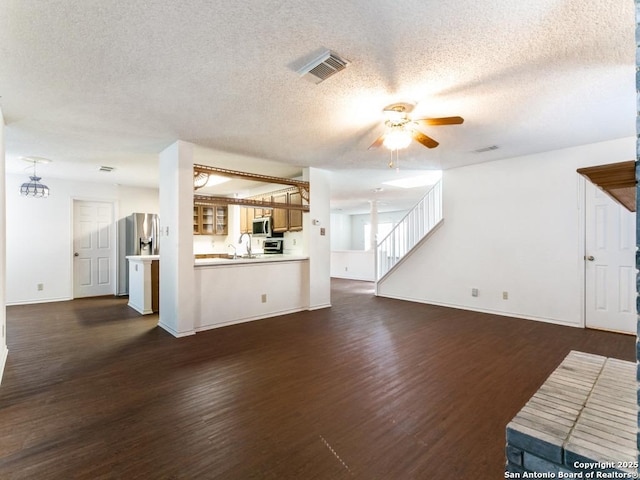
[(610, 273), (94, 249)]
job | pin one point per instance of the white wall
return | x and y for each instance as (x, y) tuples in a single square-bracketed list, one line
[(514, 225), (353, 264), (340, 231), (359, 221), (3, 276), (39, 234)]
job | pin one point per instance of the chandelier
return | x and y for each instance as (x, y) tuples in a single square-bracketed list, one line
[(34, 188)]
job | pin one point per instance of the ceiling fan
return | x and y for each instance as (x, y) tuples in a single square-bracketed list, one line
[(401, 128)]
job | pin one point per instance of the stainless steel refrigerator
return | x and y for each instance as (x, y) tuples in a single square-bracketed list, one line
[(142, 238)]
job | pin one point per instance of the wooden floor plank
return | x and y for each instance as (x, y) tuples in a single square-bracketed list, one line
[(371, 388)]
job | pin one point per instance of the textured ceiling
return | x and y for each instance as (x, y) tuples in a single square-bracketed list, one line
[(113, 83)]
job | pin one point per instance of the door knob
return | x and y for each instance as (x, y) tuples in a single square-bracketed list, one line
[(591, 258), (76, 254)]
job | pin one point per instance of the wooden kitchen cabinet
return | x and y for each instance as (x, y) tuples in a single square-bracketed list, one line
[(210, 220), (280, 215), (246, 219), (243, 220), (202, 220), (221, 220), (295, 216), (196, 220), (263, 212)]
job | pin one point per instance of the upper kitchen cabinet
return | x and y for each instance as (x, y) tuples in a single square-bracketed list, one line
[(263, 212), (280, 215), (222, 220), (246, 219), (196, 220), (202, 220), (210, 220), (295, 216)]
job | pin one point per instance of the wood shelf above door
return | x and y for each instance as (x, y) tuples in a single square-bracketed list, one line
[(616, 179)]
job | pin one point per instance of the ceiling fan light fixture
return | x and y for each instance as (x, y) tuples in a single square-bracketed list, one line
[(397, 139), (395, 116)]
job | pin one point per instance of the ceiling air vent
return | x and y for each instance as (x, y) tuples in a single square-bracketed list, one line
[(486, 149), (323, 67), (106, 169)]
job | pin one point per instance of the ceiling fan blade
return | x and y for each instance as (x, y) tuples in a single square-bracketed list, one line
[(378, 142), (423, 139), (440, 121)]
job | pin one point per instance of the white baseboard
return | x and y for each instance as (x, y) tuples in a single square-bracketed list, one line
[(249, 319), (555, 321), (139, 309), (319, 307), (173, 332), (40, 300)]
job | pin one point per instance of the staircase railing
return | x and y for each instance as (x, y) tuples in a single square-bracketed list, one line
[(409, 231)]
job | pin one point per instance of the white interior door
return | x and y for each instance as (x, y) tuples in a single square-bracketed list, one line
[(93, 249), (610, 272)]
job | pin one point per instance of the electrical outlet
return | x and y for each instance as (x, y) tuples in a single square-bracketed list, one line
[(474, 292), (505, 295), (294, 241), (346, 269), (264, 298), (40, 287)]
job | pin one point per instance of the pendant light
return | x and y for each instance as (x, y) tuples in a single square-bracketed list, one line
[(34, 188)]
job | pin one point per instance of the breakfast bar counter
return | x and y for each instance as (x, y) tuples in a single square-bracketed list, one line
[(230, 291)]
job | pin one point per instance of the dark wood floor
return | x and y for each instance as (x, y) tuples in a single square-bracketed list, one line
[(371, 388)]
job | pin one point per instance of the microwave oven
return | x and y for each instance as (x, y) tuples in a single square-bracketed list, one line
[(262, 227)]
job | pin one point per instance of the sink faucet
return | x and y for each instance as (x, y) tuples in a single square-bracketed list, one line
[(248, 243), (235, 252)]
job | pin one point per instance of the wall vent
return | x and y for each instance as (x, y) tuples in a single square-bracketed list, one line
[(106, 169), (323, 67)]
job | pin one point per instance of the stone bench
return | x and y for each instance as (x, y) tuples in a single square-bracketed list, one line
[(582, 419)]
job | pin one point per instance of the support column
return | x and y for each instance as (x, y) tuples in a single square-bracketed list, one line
[(317, 238), (374, 225), (177, 276)]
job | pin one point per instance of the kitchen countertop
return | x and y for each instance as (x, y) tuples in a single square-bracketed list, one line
[(260, 258), (142, 257)]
